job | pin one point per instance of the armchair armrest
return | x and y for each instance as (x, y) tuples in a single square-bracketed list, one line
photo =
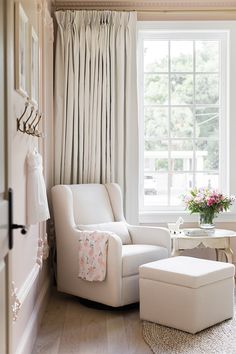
[(114, 241), (148, 235), (114, 252)]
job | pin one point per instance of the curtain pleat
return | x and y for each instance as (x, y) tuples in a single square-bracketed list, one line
[(96, 121)]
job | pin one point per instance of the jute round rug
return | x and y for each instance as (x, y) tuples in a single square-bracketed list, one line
[(220, 339)]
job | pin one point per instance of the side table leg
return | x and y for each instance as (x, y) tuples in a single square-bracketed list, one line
[(229, 255), (217, 254), (175, 253)]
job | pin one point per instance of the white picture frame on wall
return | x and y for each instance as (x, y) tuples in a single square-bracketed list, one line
[(34, 66), (21, 51)]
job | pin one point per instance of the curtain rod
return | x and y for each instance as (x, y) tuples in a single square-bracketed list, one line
[(161, 11), (173, 12)]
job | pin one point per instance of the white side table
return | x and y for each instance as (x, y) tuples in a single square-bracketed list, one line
[(219, 240)]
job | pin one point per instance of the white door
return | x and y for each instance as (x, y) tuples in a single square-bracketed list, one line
[(3, 188)]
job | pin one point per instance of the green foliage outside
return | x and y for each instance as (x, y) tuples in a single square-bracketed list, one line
[(184, 121)]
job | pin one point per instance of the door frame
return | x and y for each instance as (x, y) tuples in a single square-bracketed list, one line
[(9, 83)]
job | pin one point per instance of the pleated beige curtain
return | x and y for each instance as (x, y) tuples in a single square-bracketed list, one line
[(96, 120)]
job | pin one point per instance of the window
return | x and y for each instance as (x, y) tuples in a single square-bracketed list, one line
[(183, 114)]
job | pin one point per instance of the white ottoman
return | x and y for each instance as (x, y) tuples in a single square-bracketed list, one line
[(186, 293)]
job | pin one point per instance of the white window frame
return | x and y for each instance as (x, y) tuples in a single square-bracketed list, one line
[(226, 32)]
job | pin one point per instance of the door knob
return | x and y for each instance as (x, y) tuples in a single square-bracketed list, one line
[(22, 227)]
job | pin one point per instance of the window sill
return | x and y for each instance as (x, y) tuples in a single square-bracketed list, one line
[(147, 217)]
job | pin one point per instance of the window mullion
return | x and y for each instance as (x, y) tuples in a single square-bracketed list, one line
[(142, 139), (194, 115), (169, 124)]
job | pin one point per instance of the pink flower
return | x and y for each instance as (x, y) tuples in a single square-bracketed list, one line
[(90, 253), (211, 201)]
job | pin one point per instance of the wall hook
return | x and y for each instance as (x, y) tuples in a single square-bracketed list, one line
[(25, 123), (30, 129), (18, 120), (36, 132)]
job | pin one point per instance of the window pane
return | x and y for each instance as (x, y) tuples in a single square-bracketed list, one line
[(151, 146), (207, 155), (181, 155), (150, 184), (156, 159), (181, 122), (181, 89), (207, 89), (156, 122), (207, 122), (156, 89), (181, 56), (206, 179), (207, 56), (161, 165), (154, 162), (155, 56), (177, 164), (156, 189), (180, 183)]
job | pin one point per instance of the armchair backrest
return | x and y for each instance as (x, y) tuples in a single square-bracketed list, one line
[(90, 203)]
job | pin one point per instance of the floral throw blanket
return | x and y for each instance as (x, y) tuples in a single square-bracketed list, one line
[(93, 255)]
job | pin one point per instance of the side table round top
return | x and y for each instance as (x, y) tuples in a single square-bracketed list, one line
[(193, 233)]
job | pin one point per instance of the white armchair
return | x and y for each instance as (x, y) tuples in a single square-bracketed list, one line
[(87, 204)]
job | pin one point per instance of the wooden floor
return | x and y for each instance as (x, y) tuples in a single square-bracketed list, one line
[(70, 327)]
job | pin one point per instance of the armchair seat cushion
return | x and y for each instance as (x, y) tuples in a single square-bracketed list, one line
[(135, 255)]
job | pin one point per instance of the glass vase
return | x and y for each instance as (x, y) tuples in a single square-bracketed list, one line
[(206, 220)]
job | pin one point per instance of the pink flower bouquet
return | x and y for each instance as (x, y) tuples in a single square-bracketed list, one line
[(208, 203)]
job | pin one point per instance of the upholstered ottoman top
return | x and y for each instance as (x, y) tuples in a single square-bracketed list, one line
[(186, 271)]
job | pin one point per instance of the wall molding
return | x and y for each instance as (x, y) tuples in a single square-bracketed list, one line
[(18, 296), (30, 333), (143, 6), (23, 292), (15, 302)]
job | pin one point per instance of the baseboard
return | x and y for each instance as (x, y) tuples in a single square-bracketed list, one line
[(30, 333)]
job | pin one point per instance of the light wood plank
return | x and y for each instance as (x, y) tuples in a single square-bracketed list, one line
[(69, 327), (116, 335), (133, 328), (84, 330), (52, 325)]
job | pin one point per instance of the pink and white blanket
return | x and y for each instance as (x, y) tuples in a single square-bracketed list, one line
[(93, 255)]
